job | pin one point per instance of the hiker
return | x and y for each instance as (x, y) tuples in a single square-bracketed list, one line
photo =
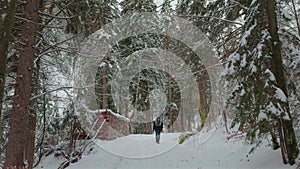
[(157, 127)]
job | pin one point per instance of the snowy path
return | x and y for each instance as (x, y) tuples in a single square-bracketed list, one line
[(216, 153), (140, 146)]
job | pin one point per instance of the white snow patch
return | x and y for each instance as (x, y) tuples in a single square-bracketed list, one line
[(277, 111), (253, 68), (286, 14), (272, 109), (244, 60), (247, 34), (280, 95), (258, 50), (262, 116), (233, 58), (236, 88), (243, 92), (3, 16), (270, 75), (87, 110)]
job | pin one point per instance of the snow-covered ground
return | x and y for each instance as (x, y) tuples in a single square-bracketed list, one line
[(199, 152)]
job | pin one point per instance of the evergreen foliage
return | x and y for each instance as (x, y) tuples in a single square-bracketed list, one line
[(257, 93)]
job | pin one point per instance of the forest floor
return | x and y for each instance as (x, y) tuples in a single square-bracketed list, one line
[(206, 150)]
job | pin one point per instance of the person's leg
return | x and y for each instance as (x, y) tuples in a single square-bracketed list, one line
[(157, 138)]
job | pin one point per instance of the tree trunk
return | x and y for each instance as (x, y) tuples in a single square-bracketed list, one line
[(296, 16), (21, 123), (5, 32), (32, 116), (288, 134), (282, 144)]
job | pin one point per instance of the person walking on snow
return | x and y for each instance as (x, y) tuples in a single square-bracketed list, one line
[(157, 127)]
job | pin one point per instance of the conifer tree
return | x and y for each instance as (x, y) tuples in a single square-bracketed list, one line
[(19, 147), (257, 82)]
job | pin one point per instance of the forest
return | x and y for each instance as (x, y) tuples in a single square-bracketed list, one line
[(76, 72)]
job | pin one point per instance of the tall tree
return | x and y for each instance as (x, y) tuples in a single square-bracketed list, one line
[(6, 24), (7, 13), (257, 81), (288, 135), (17, 148), (288, 22)]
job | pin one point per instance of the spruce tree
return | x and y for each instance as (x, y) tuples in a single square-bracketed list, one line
[(19, 147), (257, 82), (288, 21)]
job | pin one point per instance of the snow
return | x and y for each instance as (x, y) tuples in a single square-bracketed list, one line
[(214, 152), (135, 145), (159, 3), (237, 87), (103, 111), (244, 60), (3, 16), (262, 116), (296, 57), (253, 68), (277, 110), (229, 68), (280, 95), (247, 34), (243, 92), (286, 14), (270, 75), (258, 50)]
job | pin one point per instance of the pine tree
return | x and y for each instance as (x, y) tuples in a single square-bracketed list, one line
[(289, 34), (7, 13), (18, 147), (257, 82), (219, 20), (6, 25)]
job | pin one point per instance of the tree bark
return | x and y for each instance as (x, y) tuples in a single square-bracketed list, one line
[(288, 133), (5, 31), (21, 123)]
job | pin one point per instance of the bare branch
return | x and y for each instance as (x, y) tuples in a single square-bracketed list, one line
[(55, 16), (27, 20), (50, 91)]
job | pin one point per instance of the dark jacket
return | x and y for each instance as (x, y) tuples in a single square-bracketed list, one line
[(157, 127)]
